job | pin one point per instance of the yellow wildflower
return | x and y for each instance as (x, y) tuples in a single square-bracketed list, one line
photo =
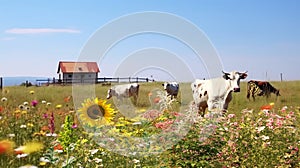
[(58, 106), (30, 147)]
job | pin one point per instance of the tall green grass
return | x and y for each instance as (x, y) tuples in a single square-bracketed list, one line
[(289, 91)]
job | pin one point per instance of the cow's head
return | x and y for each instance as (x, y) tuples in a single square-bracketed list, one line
[(165, 85), (234, 79), (109, 93), (277, 93)]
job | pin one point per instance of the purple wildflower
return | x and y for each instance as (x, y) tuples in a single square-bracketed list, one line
[(51, 124), (34, 103), (74, 126), (45, 115)]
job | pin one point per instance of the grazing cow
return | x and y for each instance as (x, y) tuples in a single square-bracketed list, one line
[(171, 88), (216, 93), (260, 88), (124, 91)]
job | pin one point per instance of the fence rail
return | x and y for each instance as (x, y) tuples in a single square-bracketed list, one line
[(92, 80)]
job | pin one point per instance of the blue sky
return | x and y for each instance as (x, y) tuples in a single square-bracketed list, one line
[(262, 37)]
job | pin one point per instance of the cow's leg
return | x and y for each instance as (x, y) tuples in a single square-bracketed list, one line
[(253, 96), (248, 95), (202, 108), (227, 101), (249, 89)]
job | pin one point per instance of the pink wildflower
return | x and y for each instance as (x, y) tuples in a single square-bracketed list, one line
[(270, 125), (279, 122), (152, 114), (164, 125), (176, 114), (45, 115), (271, 120), (288, 116), (284, 109), (74, 126), (231, 115), (293, 148), (34, 103)]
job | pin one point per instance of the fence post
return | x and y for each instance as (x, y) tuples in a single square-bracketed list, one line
[(118, 79), (129, 80), (137, 79), (1, 83)]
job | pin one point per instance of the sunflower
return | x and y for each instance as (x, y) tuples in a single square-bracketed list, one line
[(96, 112)]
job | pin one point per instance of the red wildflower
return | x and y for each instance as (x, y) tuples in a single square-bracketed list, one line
[(6, 146), (58, 147), (267, 107), (67, 99)]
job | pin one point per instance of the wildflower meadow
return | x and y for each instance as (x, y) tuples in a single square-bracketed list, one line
[(41, 127)]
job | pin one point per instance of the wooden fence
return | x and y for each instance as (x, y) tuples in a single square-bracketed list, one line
[(104, 80)]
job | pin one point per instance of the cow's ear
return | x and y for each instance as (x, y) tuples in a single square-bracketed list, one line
[(226, 76), (243, 76), (163, 84)]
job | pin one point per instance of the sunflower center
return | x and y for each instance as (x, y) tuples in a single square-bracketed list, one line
[(95, 111)]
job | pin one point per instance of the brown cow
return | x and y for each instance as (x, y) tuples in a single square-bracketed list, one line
[(260, 88)]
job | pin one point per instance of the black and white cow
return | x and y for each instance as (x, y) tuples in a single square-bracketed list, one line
[(171, 88), (216, 93), (124, 91)]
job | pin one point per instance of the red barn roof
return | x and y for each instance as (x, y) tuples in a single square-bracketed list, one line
[(78, 67)]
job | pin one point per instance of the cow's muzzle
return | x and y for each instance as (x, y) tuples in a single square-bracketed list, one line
[(236, 90)]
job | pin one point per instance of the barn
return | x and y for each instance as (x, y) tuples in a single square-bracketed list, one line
[(78, 72)]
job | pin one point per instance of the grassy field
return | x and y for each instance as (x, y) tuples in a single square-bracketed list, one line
[(57, 100), (289, 95)]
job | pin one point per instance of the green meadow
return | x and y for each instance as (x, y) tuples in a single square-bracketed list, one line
[(39, 126), (289, 91)]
